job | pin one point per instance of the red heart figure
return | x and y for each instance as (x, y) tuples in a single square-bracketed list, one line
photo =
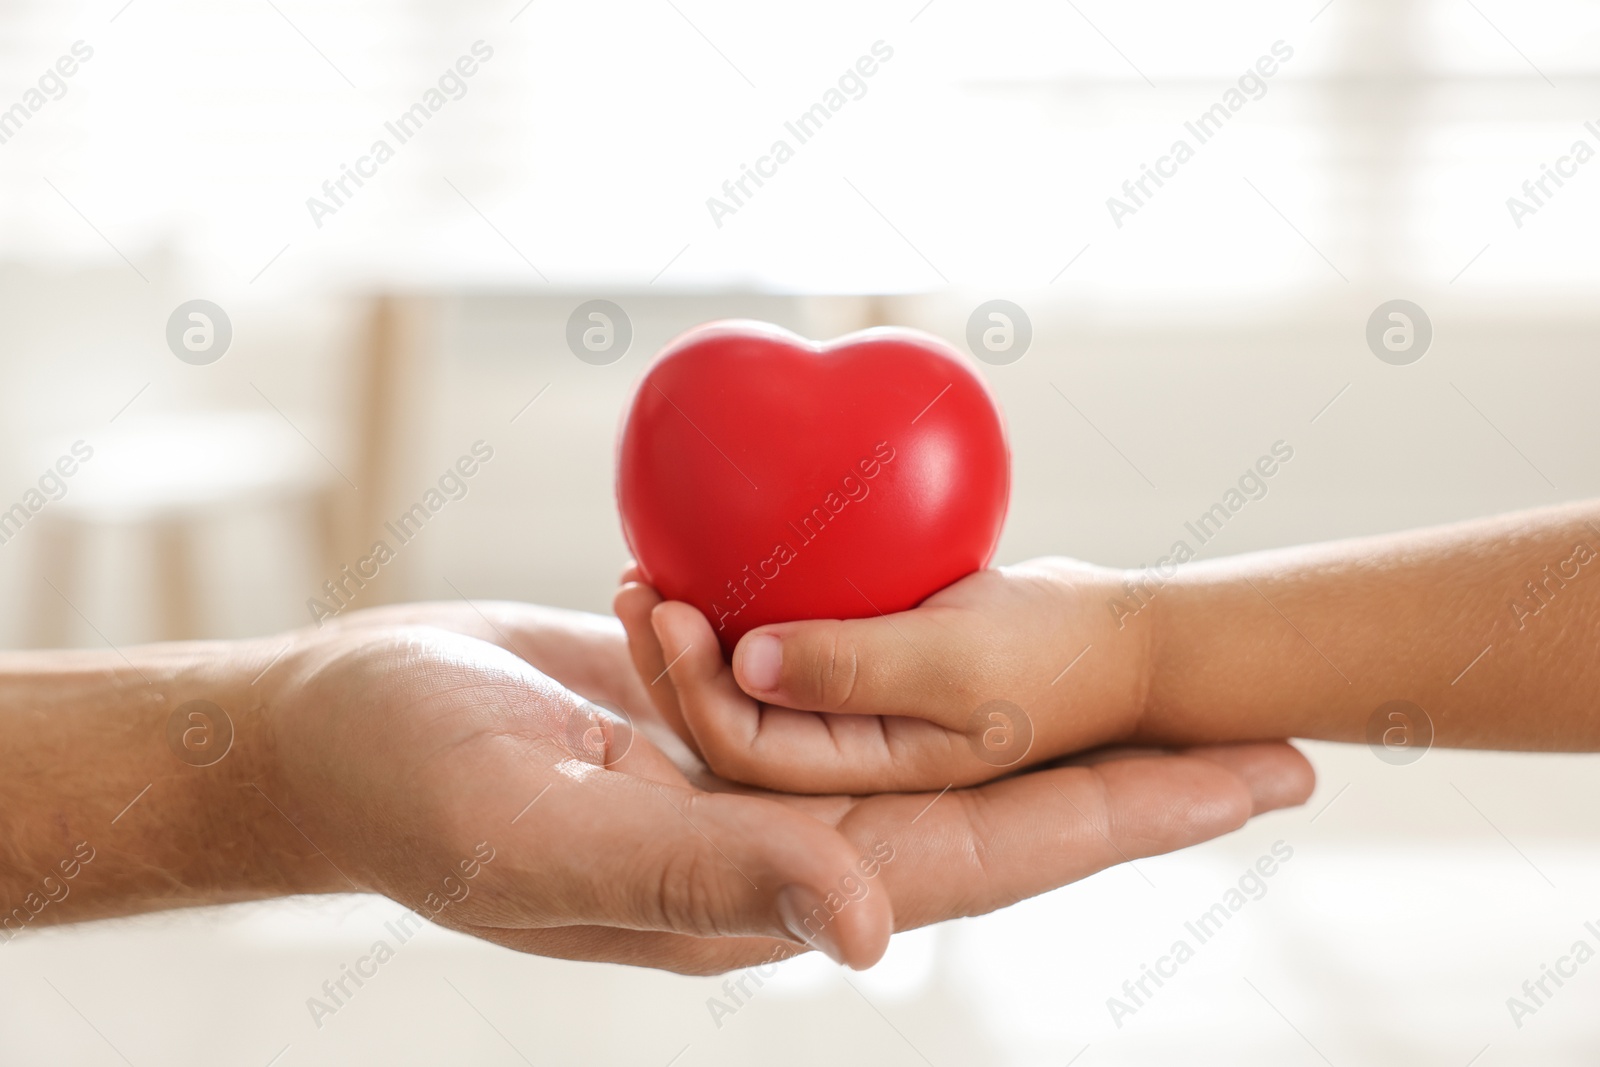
[(764, 478)]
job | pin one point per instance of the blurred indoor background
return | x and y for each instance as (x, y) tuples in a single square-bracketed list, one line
[(373, 343)]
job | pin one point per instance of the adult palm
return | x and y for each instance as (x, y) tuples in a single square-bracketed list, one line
[(412, 739)]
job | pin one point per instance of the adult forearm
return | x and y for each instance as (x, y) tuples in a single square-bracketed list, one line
[(1491, 627), (118, 794)]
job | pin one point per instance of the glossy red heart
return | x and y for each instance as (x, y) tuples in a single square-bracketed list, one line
[(764, 478)]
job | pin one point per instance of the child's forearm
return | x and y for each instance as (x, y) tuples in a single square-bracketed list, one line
[(1491, 627)]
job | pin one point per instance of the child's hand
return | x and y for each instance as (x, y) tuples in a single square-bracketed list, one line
[(1003, 669)]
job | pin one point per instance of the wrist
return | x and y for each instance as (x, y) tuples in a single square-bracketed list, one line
[(1138, 605), (217, 724), (1107, 618), (1202, 666), (137, 765), (1154, 722), (240, 803)]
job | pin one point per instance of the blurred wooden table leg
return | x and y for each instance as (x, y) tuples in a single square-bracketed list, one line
[(58, 550), (177, 589)]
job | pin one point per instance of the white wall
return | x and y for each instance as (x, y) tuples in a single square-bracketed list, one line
[(1222, 317), (1415, 904)]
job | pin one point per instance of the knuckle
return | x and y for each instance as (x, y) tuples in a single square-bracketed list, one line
[(685, 899), (726, 756), (721, 742), (835, 669), (693, 893)]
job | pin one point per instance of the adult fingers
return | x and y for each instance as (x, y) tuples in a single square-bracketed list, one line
[(579, 649), (1277, 779), (1274, 774), (970, 851), (609, 849), (679, 953)]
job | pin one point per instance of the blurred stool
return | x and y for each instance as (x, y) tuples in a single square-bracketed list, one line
[(154, 484)]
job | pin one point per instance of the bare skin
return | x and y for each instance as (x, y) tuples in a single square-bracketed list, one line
[(443, 755), (1491, 627)]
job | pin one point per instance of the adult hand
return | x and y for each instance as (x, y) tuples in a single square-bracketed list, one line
[(445, 771), (421, 753), (586, 878)]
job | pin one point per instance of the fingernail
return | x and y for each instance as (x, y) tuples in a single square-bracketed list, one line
[(760, 658), (806, 918)]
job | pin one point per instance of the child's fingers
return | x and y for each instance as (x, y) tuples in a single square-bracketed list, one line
[(800, 751), (633, 604), (907, 664), (714, 711)]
